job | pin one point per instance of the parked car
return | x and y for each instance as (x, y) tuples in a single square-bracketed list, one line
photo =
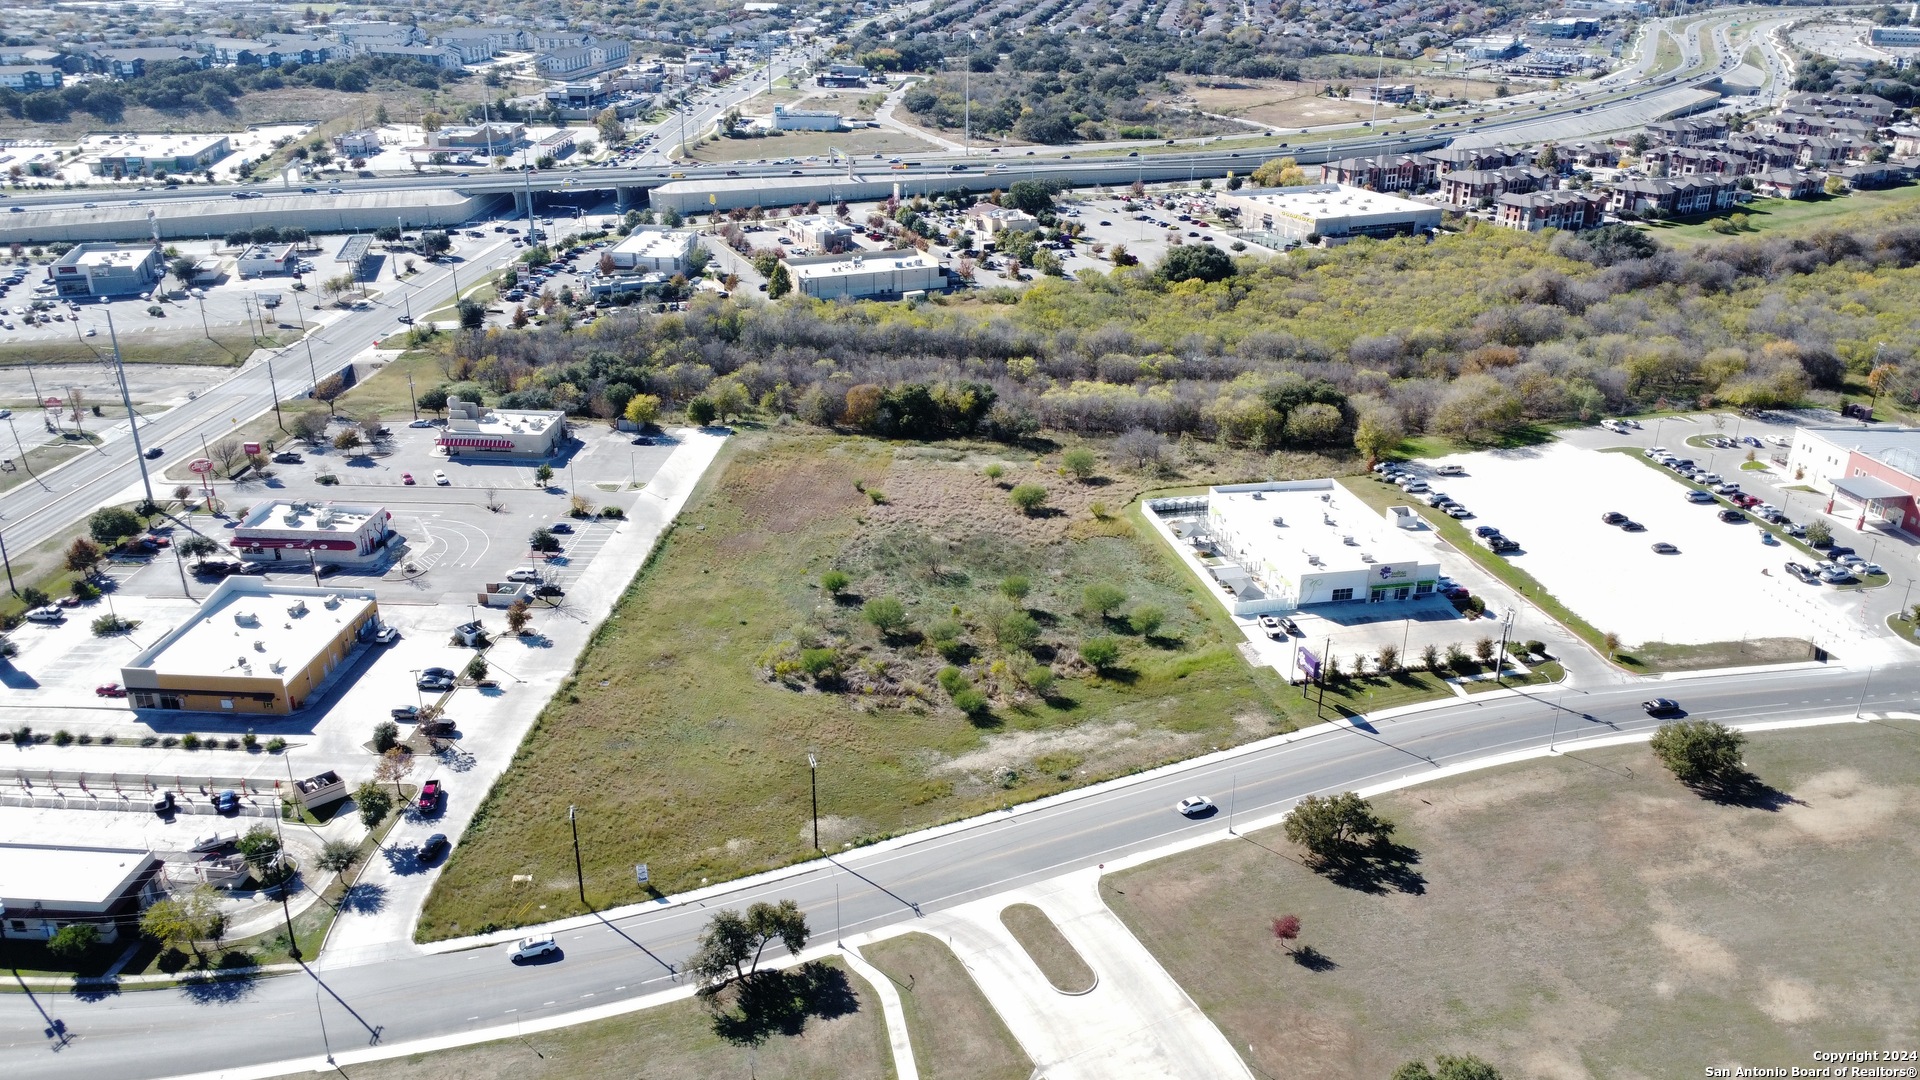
[(1732, 516), (1664, 548), (1612, 517), (287, 457), (1632, 526), (1697, 496), (405, 712), (1458, 511), (533, 948), (429, 796), (226, 803), (1451, 470), (163, 801), (1271, 625), (440, 478), (112, 689), (432, 847), (560, 528), (1834, 551), (47, 614), (1484, 531)]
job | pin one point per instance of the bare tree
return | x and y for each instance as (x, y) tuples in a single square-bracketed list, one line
[(1139, 448), (493, 502)]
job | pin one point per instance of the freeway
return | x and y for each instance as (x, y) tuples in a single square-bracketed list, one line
[(635, 952), (37, 510)]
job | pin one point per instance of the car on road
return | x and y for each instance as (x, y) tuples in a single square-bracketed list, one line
[(112, 689), (1612, 517), (429, 796), (432, 847), (440, 478), (421, 424), (154, 452), (1664, 548), (1195, 806), (406, 478), (533, 948), (1660, 706), (226, 803)]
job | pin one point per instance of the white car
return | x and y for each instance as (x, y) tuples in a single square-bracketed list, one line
[(440, 477), (533, 948), (1195, 806), (1271, 625), (421, 424), (1451, 470)]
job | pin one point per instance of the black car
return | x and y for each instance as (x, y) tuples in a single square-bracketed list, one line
[(547, 588), (433, 847), (434, 686), (287, 457), (1664, 548), (1837, 550), (1486, 530), (1660, 706), (1632, 526), (1612, 517), (1732, 517), (560, 527)]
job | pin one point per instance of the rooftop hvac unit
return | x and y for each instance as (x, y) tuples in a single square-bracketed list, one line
[(1349, 541), (1365, 557)]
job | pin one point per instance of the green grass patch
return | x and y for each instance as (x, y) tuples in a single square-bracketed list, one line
[(227, 348), (675, 1041), (956, 1033), (1588, 894), (725, 663), (1906, 629), (1792, 215), (1436, 446), (386, 392), (1049, 949)]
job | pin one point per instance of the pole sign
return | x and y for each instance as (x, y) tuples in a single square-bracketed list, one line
[(200, 465), (1310, 664), (640, 874)]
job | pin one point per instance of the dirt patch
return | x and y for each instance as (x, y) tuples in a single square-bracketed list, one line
[(1285, 104), (1840, 806), (1099, 744), (958, 495), (1791, 1002), (1696, 953)]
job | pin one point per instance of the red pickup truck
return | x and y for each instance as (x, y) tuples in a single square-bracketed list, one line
[(429, 796)]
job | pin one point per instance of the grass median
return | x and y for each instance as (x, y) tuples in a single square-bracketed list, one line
[(1584, 915), (1048, 948), (956, 1033)]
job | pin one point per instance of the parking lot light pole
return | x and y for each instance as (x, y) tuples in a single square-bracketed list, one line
[(293, 945)]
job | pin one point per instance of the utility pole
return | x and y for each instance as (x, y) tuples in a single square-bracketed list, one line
[(22, 451), (133, 420), (4, 558), (273, 384), (411, 397), (312, 368)]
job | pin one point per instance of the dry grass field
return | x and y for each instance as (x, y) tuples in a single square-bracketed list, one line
[(863, 143), (1580, 917), (1287, 104)]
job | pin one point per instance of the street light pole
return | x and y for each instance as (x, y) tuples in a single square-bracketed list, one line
[(9, 563), (813, 775), (133, 420), (293, 946), (579, 875), (313, 369)]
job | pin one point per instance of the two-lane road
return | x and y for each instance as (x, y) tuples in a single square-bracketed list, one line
[(158, 1033)]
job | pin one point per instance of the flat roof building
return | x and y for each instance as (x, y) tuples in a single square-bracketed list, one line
[(785, 119), (1327, 211), (1275, 547), (994, 220), (162, 153), (260, 259), (107, 270), (822, 234), (43, 888), (1876, 469), (659, 251), (253, 648), (874, 273), (473, 430), (322, 532)]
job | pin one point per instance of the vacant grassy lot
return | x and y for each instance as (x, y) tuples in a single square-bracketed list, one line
[(1286, 104), (800, 144), (1790, 215), (956, 1034), (1583, 916), (684, 737), (672, 1042), (1048, 948), (225, 349)]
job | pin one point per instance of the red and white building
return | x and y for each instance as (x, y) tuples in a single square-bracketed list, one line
[(1870, 476), (475, 431), (314, 532)]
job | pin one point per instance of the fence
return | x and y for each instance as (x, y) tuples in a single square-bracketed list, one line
[(132, 792)]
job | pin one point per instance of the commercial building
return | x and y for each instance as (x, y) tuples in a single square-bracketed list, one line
[(162, 153), (1391, 93), (1904, 37), (820, 233), (1279, 546), (660, 251), (325, 532), (1567, 27), (994, 220), (842, 75), (107, 270), (358, 144), (785, 119), (1294, 215), (253, 648), (43, 888), (886, 274), (261, 259), (473, 430), (1490, 48), (489, 137), (1875, 472)]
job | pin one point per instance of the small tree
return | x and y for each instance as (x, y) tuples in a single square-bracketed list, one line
[(108, 524), (386, 736), (348, 440), (197, 546), (1101, 652), (261, 848), (1015, 587), (543, 540), (1819, 534), (1699, 751), (1015, 630), (188, 919), (1030, 498), (642, 410), (733, 942), (337, 855), (73, 940), (1286, 929), (519, 614), (476, 668), (1331, 826), (394, 766), (1611, 642), (1103, 599), (835, 582), (543, 475), (1483, 649), (1389, 659), (702, 411), (1146, 619), (83, 556), (886, 614), (1079, 462), (329, 390), (373, 801)]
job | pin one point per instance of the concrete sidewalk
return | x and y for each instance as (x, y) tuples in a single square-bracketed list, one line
[(379, 918), (1136, 1022)]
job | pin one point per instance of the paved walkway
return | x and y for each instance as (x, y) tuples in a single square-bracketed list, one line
[(904, 1067), (1136, 1023)]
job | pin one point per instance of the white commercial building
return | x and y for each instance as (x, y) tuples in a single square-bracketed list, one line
[(994, 220), (43, 888), (785, 119), (1275, 547), (261, 259), (875, 273), (317, 532), (1327, 211), (1821, 454), (820, 233), (659, 251), (473, 430), (107, 270)]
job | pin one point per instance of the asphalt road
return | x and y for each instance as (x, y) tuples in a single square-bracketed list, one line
[(167, 1032)]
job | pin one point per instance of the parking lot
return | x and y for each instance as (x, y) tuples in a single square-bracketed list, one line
[(1720, 583)]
